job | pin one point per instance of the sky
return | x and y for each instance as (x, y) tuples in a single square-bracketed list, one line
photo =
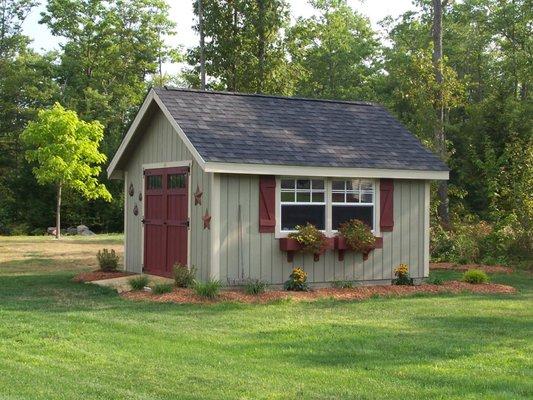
[(181, 13)]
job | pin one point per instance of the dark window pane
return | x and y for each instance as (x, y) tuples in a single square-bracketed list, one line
[(366, 197), (338, 185), (303, 197), (154, 182), (300, 215), (175, 181), (318, 197), (287, 183), (318, 184), (338, 197), (287, 196), (342, 214), (352, 197), (303, 184), (353, 184)]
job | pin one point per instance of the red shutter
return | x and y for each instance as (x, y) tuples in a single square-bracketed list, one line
[(267, 203), (386, 196)]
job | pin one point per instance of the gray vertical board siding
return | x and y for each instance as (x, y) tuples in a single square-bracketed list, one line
[(160, 143), (263, 259)]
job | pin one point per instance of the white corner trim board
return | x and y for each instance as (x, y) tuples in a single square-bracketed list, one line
[(261, 169)]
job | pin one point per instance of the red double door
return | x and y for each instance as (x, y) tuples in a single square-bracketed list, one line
[(166, 219)]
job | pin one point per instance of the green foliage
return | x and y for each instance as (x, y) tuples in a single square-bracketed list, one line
[(65, 150), (107, 260), (255, 287), (297, 281), (139, 282), (183, 276), (209, 289), (162, 288), (434, 280), (342, 284), (358, 235), (312, 240), (475, 276)]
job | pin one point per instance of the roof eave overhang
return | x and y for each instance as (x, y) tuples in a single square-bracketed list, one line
[(334, 172)]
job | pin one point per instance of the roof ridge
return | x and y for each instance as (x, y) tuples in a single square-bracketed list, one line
[(358, 103)]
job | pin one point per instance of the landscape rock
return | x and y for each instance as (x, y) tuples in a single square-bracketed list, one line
[(72, 230), (81, 228), (51, 230), (88, 232)]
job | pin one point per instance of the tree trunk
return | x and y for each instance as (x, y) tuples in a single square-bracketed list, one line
[(202, 44), (58, 212), (439, 133)]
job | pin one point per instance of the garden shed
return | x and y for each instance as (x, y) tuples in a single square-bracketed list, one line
[(218, 180)]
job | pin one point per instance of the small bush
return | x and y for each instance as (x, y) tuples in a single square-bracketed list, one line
[(312, 240), (402, 275), (183, 276), (162, 288), (475, 276), (209, 289), (255, 287), (358, 235), (435, 280), (139, 282), (297, 281), (342, 284), (107, 260)]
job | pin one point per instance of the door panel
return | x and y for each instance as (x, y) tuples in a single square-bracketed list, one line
[(166, 219)]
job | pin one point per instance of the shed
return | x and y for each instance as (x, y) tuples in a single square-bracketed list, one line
[(217, 180)]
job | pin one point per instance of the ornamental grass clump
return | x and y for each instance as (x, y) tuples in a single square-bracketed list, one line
[(255, 287), (312, 240), (402, 275), (297, 281), (475, 276), (139, 282), (357, 235)]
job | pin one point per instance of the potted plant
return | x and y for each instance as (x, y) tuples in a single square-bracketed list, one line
[(356, 236), (306, 239)]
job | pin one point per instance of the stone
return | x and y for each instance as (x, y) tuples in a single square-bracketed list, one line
[(72, 230), (51, 230), (81, 228), (88, 232)]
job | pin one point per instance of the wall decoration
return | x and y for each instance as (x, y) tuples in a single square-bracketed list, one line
[(131, 190), (207, 220), (140, 196), (198, 196), (135, 210)]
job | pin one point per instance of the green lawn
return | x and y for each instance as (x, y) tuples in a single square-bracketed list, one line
[(61, 340)]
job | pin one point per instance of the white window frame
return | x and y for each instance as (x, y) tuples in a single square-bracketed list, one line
[(279, 233)]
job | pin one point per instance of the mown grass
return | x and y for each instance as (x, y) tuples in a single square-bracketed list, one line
[(61, 340)]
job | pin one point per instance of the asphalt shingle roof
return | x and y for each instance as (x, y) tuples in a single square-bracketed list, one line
[(257, 129)]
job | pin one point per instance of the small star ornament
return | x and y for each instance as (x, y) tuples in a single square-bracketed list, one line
[(198, 196), (207, 220)]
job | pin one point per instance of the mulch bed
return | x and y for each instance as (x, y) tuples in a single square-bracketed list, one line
[(489, 269), (187, 296), (99, 275)]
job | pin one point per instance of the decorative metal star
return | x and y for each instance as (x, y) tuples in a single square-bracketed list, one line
[(207, 220), (198, 196)]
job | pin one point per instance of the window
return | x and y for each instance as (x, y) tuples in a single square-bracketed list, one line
[(302, 201), (154, 182), (352, 199), (175, 181), (325, 203)]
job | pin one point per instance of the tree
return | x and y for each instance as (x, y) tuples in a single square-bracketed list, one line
[(65, 150), (335, 53)]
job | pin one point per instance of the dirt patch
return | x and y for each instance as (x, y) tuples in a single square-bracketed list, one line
[(489, 269), (98, 276), (187, 296)]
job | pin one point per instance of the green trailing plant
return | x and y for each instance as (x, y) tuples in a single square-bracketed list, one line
[(297, 281), (435, 280), (162, 288), (310, 238), (475, 276), (342, 284), (139, 282), (358, 235), (209, 289), (402, 275), (107, 260), (184, 276), (255, 287)]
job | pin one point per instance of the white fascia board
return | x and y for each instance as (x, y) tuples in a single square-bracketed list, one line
[(333, 172), (112, 173)]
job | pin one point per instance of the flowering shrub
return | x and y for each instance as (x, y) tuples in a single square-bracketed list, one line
[(312, 240), (297, 281), (358, 235), (402, 275)]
